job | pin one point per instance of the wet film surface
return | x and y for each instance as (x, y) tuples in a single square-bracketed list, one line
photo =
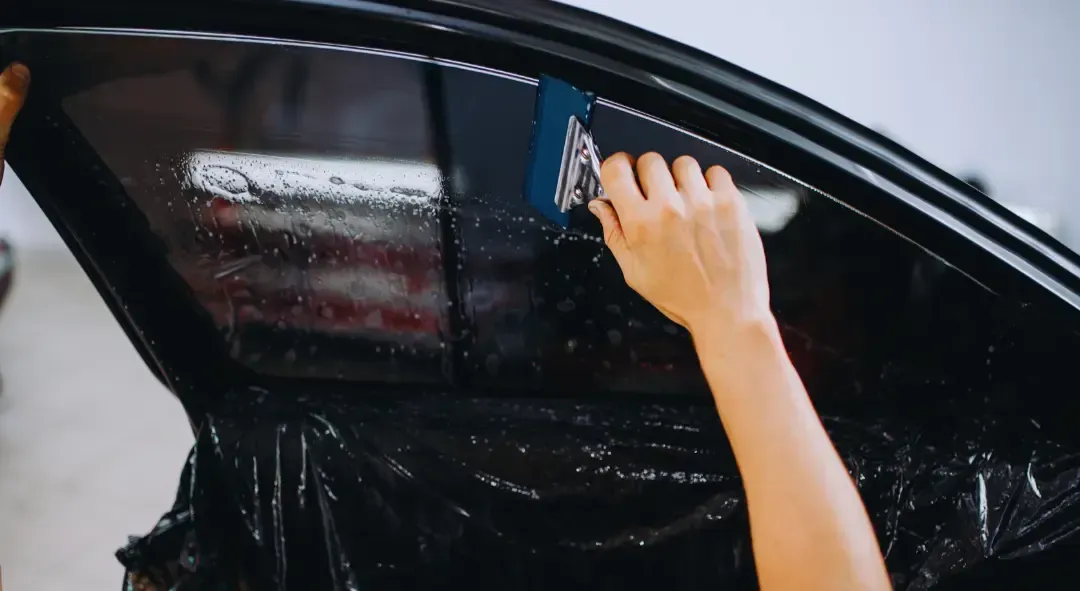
[(357, 217)]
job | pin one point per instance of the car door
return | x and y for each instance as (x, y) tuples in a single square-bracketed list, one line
[(308, 218)]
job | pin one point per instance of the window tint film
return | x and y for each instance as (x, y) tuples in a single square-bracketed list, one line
[(358, 215)]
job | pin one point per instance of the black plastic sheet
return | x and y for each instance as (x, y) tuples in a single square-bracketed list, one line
[(441, 493)]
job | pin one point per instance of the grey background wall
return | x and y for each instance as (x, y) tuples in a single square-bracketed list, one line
[(987, 86)]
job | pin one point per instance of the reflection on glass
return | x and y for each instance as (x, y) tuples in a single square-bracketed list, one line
[(297, 192), (363, 234)]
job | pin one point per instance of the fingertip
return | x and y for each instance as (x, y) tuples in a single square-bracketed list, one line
[(718, 178), (20, 71), (686, 161), (650, 160), (16, 78), (14, 82), (687, 173), (655, 177), (615, 163), (617, 178)]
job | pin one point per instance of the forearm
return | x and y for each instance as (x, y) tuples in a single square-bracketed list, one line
[(807, 522)]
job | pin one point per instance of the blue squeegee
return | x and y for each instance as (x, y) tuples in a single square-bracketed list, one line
[(564, 163)]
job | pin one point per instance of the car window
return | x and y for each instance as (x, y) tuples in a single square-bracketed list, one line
[(357, 215)]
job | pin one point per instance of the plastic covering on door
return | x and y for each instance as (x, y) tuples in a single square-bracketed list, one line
[(354, 218), (447, 494)]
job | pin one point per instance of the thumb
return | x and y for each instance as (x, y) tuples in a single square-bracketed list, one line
[(14, 84), (613, 232)]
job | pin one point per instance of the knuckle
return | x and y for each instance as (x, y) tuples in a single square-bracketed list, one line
[(723, 203), (705, 202), (669, 213)]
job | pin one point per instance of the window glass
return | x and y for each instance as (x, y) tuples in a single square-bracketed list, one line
[(297, 192), (358, 215)]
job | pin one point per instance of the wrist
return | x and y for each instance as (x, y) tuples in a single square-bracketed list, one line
[(749, 333), (732, 352), (748, 370)]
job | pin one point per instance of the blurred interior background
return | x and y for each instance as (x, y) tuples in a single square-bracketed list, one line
[(986, 89)]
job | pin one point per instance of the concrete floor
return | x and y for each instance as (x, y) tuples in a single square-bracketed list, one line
[(91, 445)]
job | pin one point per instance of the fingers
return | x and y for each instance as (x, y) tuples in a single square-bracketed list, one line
[(613, 232), (719, 179), (656, 186), (725, 195), (688, 177), (655, 177), (14, 84), (620, 186)]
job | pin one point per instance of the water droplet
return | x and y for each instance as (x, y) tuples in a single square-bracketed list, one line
[(492, 364), (566, 305), (614, 336)]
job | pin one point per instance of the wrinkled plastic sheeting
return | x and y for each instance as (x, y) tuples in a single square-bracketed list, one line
[(444, 494)]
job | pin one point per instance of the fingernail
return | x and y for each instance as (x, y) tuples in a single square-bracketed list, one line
[(21, 75), (594, 207)]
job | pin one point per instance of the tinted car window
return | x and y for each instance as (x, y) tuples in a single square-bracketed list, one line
[(358, 215), (297, 193)]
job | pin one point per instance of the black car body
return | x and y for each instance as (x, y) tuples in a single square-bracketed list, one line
[(307, 216)]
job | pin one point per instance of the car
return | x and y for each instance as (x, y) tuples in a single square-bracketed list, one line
[(307, 216)]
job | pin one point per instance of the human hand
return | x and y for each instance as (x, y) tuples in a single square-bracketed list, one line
[(14, 84), (685, 242)]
